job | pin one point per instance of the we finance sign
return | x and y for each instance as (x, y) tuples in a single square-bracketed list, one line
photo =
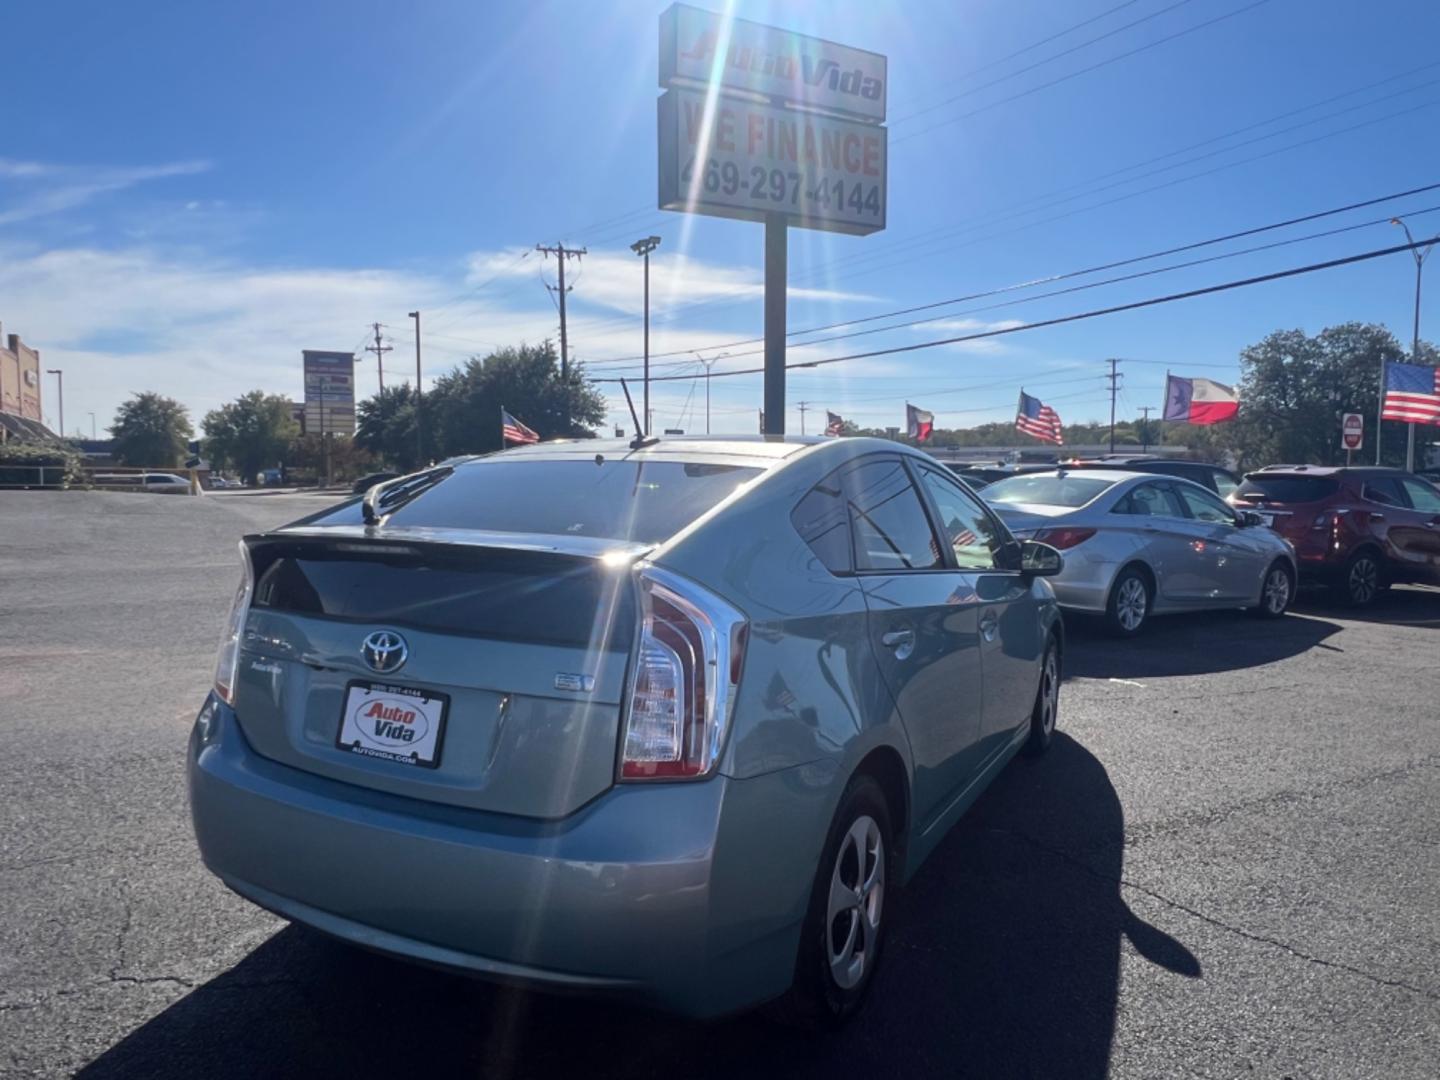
[(741, 159), (701, 49)]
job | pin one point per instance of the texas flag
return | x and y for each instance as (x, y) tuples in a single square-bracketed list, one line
[(918, 423), (1199, 401)]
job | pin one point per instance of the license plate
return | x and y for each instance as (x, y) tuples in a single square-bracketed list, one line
[(395, 723)]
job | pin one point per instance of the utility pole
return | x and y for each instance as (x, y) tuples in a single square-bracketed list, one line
[(1145, 429), (562, 253), (643, 248), (708, 365), (1415, 347), (92, 427), (419, 431), (60, 388), (804, 407), (1114, 378), (379, 350)]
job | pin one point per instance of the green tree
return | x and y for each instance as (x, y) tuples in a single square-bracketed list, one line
[(460, 414), (385, 426), (251, 433), (151, 430), (1294, 389)]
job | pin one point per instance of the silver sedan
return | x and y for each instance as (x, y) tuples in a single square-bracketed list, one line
[(1137, 545)]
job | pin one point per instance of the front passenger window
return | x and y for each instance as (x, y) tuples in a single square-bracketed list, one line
[(972, 535)]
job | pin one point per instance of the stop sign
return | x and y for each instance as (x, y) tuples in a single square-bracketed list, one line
[(1352, 431)]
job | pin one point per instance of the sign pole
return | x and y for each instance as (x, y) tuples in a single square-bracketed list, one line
[(776, 265)]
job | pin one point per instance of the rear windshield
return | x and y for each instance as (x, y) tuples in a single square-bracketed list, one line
[(510, 595), (1046, 490), (1287, 489), (641, 501)]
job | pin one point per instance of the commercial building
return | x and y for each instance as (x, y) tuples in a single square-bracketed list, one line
[(20, 380)]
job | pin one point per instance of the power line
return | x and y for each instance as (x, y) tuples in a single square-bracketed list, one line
[(1084, 315), (1038, 64), (1082, 71), (1099, 268)]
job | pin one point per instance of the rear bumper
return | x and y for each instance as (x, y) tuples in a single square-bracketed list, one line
[(626, 896), (1084, 583)]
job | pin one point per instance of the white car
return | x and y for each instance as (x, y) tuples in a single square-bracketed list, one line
[(165, 484)]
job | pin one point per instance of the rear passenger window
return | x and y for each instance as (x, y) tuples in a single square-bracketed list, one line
[(1384, 491), (821, 522), (1224, 483), (1150, 500), (891, 529)]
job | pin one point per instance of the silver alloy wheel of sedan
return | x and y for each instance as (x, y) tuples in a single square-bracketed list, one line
[(1130, 604), (1049, 692), (1277, 590), (857, 893)]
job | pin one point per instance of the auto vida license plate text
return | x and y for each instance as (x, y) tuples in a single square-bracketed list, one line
[(396, 723)]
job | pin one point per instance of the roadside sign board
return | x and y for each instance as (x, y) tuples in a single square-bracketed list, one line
[(698, 47), (748, 160), (329, 392), (1352, 431)]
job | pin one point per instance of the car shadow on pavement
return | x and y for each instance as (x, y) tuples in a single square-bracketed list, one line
[(1003, 961), (1403, 605), (1196, 643)]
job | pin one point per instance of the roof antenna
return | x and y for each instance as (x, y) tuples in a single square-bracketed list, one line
[(641, 440)]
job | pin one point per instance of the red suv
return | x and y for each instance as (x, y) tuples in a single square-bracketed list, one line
[(1356, 530)]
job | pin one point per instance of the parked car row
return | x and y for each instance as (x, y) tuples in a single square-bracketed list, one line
[(1138, 545)]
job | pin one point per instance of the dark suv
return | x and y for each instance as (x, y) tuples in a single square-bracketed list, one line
[(1356, 530), (1219, 480)]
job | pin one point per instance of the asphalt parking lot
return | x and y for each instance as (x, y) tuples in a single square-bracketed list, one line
[(1228, 865)]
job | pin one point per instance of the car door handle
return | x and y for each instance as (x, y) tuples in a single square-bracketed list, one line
[(989, 623), (1377, 517), (896, 639)]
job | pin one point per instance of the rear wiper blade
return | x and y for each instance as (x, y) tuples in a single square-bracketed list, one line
[(386, 498)]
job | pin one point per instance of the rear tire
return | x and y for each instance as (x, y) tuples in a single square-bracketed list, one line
[(1131, 598), (1047, 702), (1361, 580), (844, 933), (1277, 591)]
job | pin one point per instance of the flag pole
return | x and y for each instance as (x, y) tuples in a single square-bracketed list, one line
[(1380, 410)]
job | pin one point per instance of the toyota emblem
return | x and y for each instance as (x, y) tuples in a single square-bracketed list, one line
[(384, 651)]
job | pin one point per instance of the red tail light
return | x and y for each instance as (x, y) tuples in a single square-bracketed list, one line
[(227, 663), (1063, 538), (687, 667), (1328, 519)]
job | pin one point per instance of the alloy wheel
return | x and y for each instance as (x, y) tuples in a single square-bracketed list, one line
[(1049, 693), (1364, 580), (857, 892), (1277, 591), (1130, 604)]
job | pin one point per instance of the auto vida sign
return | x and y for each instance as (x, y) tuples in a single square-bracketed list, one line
[(792, 127)]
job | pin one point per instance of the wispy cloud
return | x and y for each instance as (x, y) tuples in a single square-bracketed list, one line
[(44, 189)]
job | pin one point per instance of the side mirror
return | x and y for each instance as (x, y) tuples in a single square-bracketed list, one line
[(1040, 560), (1249, 519)]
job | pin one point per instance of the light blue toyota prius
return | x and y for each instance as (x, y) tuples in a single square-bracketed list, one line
[(666, 720)]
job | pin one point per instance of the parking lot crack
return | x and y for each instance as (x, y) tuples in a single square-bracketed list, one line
[(1259, 939)]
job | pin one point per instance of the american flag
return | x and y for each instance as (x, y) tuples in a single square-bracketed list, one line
[(1412, 392), (834, 423), (1038, 419), (965, 538), (512, 430)]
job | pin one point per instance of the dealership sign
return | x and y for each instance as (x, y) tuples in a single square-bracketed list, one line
[(746, 160), (698, 47), (762, 124), (329, 392)]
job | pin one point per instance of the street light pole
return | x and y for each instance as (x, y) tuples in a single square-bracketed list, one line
[(643, 248), (60, 389), (92, 427), (419, 434), (1415, 344)]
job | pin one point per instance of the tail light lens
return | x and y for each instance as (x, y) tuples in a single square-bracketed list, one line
[(1328, 519), (682, 692), (1062, 538), (228, 660)]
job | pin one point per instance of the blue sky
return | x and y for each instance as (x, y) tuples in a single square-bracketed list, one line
[(190, 194)]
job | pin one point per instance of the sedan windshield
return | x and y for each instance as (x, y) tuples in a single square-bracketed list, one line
[(641, 501), (1046, 490)]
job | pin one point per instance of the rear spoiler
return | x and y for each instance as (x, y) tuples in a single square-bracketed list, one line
[(361, 537)]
